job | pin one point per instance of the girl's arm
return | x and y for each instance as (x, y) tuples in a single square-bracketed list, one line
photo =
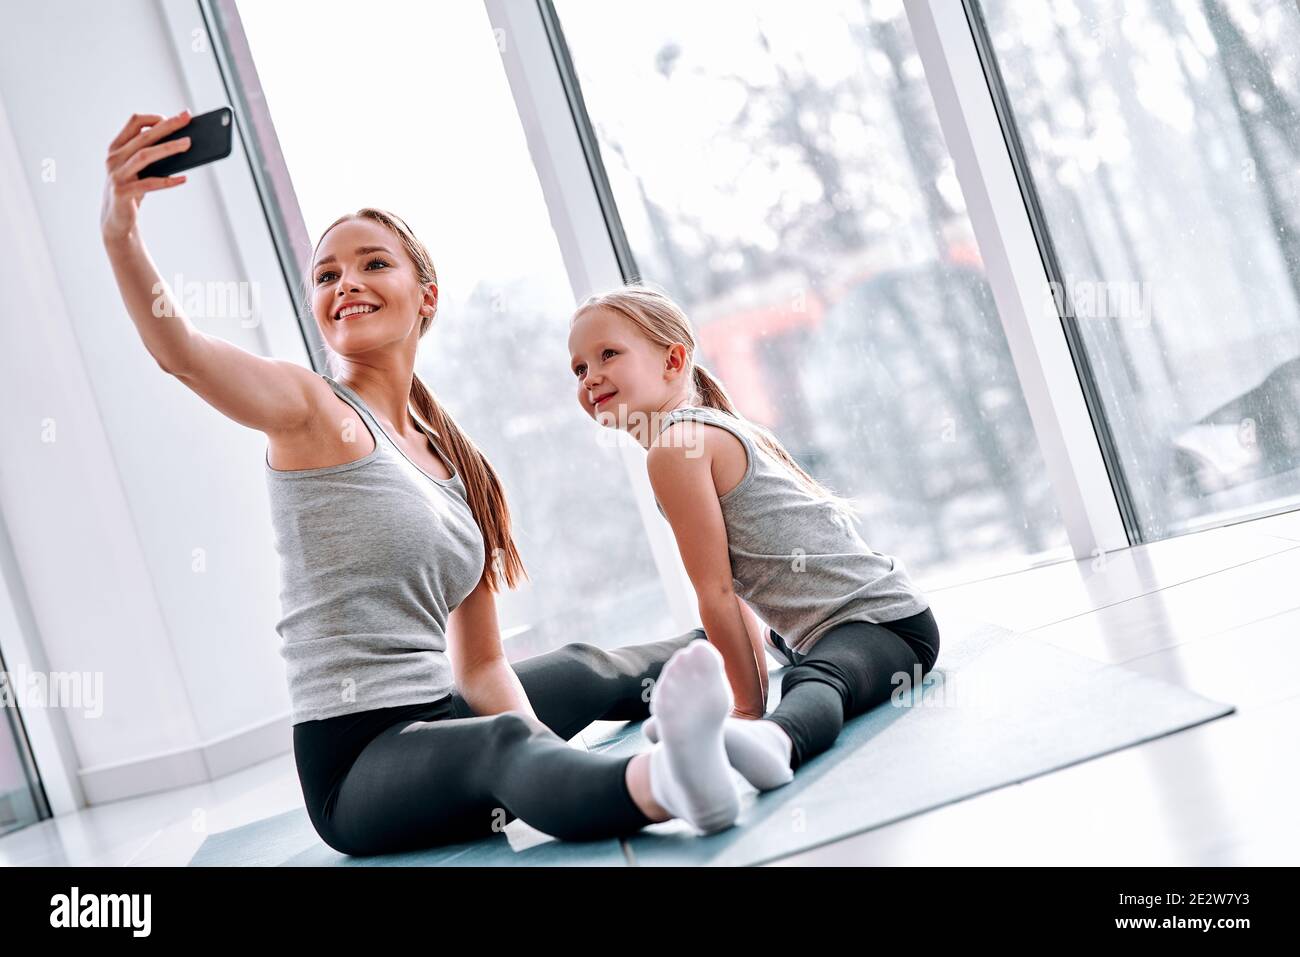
[(682, 479), (479, 667), (756, 630)]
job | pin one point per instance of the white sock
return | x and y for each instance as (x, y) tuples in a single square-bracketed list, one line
[(759, 750), (689, 774)]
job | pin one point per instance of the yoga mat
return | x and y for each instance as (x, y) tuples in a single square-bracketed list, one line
[(289, 840), (997, 709), (261, 844)]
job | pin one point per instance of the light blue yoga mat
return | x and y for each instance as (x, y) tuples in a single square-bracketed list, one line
[(997, 709), (289, 840)]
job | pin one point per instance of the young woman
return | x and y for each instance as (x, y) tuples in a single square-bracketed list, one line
[(754, 529), (410, 728)]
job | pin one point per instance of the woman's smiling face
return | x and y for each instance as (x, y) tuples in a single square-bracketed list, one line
[(365, 291)]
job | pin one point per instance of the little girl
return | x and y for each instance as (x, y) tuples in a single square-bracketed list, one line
[(756, 534)]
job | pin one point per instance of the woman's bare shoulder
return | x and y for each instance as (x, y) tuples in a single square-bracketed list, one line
[(333, 433)]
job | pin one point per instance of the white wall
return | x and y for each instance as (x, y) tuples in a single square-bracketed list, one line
[(105, 519)]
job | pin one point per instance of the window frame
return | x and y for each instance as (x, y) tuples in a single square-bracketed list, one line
[(595, 247), (1017, 160), (1052, 367)]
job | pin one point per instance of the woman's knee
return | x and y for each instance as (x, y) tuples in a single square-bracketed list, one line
[(508, 729), (591, 657)]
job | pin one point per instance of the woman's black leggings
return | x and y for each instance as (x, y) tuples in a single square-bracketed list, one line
[(423, 775)]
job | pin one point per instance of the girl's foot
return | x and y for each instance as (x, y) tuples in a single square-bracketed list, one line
[(689, 774), (759, 750)]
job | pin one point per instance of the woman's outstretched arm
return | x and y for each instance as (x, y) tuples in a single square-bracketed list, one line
[(269, 395)]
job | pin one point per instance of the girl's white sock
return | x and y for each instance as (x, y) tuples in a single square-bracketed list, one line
[(759, 750)]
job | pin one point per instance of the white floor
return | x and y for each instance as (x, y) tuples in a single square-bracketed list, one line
[(1217, 612)]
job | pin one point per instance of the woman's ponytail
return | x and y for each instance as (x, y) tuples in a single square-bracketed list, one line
[(487, 500)]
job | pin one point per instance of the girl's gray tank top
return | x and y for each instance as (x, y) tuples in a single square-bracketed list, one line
[(374, 556), (795, 559)]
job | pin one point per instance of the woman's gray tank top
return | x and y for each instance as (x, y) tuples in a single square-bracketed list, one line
[(374, 556), (803, 567)]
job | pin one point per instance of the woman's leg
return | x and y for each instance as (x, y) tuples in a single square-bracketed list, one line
[(420, 784), (431, 779), (851, 669), (579, 683)]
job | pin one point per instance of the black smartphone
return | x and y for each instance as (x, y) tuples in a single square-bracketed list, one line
[(210, 136)]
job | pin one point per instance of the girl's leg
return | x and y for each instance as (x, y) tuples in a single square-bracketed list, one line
[(420, 784), (851, 669), (835, 681), (579, 683)]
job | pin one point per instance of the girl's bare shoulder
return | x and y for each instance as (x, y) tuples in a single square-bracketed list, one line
[(695, 440)]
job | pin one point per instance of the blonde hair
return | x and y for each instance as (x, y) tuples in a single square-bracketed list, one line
[(486, 498), (661, 320)]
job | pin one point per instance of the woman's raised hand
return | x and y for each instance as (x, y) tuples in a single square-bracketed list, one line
[(133, 149)]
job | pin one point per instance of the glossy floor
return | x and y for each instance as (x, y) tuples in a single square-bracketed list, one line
[(1217, 612)]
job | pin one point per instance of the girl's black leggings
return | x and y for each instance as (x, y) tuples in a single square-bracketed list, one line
[(416, 776), (851, 669)]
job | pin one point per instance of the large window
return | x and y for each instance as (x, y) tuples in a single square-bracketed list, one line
[(779, 168), (1163, 139), (428, 129)]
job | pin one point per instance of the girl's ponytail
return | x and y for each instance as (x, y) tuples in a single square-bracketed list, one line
[(711, 393)]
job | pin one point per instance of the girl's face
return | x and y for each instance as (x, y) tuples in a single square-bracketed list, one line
[(362, 263), (618, 370)]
